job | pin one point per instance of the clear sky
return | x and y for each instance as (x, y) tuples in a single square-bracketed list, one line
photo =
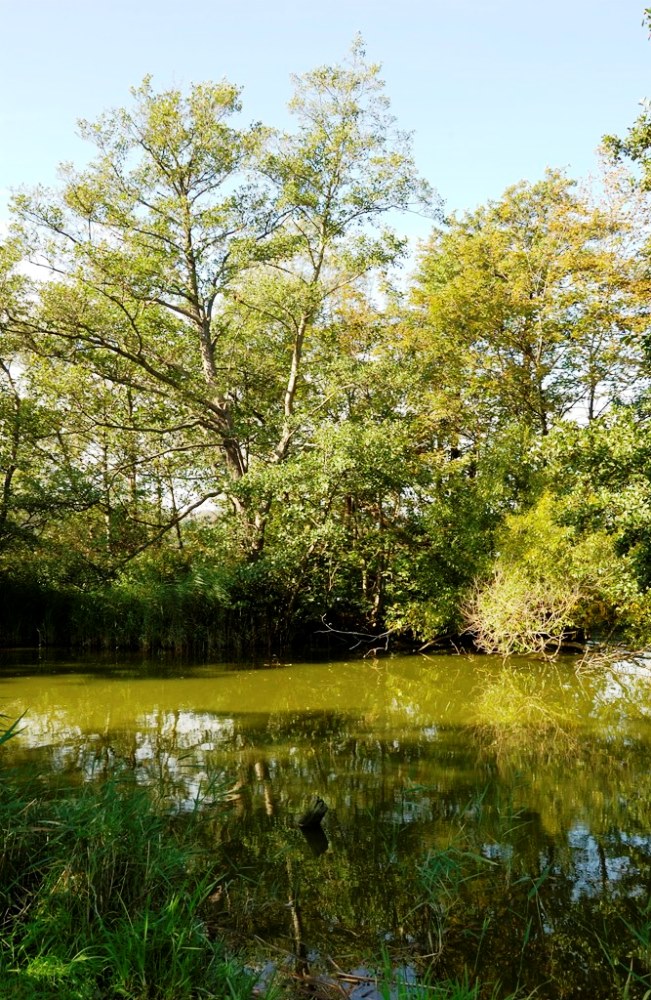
[(493, 90)]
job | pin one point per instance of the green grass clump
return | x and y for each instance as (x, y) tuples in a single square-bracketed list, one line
[(102, 895)]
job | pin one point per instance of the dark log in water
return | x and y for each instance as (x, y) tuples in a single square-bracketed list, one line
[(316, 839), (311, 819)]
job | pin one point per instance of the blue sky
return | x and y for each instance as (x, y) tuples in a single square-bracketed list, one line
[(494, 90)]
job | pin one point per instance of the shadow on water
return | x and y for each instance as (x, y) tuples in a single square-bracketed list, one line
[(481, 820)]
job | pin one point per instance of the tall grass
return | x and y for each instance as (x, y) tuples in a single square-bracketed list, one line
[(404, 987), (101, 896)]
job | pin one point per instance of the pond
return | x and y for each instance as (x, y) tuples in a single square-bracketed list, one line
[(483, 819)]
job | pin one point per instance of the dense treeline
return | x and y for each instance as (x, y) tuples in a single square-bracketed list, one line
[(227, 415)]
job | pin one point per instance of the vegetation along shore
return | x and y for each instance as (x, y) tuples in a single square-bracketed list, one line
[(244, 423), (228, 416)]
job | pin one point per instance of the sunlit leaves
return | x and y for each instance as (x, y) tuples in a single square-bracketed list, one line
[(529, 306)]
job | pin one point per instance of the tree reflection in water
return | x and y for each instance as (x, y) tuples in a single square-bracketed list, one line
[(525, 859)]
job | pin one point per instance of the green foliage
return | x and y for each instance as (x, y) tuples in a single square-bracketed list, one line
[(529, 307), (454, 523), (604, 498), (10, 728), (103, 897), (548, 581), (192, 264), (219, 416)]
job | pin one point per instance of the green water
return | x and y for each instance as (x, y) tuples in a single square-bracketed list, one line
[(483, 818)]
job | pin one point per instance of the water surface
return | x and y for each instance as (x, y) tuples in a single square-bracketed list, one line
[(481, 817)]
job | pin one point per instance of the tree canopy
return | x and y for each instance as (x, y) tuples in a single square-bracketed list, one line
[(225, 411)]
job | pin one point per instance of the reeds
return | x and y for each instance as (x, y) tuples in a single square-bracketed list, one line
[(102, 896)]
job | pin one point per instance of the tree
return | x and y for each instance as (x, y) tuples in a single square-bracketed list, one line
[(37, 481), (192, 261), (528, 309), (636, 147)]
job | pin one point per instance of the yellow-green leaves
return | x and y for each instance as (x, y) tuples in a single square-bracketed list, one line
[(530, 304)]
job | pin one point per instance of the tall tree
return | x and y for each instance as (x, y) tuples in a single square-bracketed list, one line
[(192, 261), (529, 308)]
